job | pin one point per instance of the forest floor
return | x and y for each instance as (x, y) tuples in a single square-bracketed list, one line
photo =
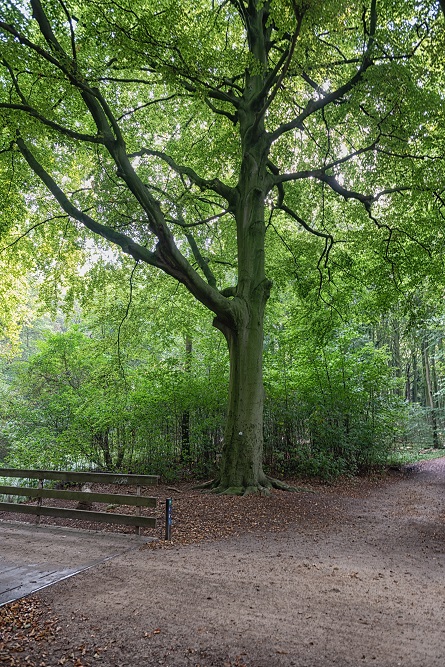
[(344, 575)]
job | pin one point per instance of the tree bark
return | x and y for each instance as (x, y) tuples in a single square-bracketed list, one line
[(241, 469), (415, 382), (429, 391), (185, 417)]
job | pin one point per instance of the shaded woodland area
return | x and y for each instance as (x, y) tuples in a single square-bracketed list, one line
[(358, 400)]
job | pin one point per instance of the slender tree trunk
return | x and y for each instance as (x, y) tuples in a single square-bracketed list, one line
[(396, 357), (439, 401), (185, 417), (102, 440), (435, 387), (415, 382), (429, 392), (408, 381), (121, 437)]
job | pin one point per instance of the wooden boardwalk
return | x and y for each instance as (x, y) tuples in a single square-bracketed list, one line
[(33, 557)]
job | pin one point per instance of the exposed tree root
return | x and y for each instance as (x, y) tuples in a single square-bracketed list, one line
[(228, 490), (282, 486), (206, 485), (263, 488)]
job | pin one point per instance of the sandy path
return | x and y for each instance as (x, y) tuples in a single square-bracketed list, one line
[(366, 588)]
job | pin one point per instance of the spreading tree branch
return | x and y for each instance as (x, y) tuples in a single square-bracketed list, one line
[(280, 70), (320, 172), (202, 262), (221, 112), (215, 185), (316, 105), (66, 131), (328, 240), (315, 232), (166, 256), (31, 229), (127, 244)]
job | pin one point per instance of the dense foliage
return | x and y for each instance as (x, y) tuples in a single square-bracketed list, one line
[(282, 152), (155, 400)]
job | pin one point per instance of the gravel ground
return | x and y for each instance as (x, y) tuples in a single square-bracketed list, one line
[(346, 575)]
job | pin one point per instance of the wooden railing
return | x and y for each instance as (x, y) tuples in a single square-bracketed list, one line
[(87, 497)]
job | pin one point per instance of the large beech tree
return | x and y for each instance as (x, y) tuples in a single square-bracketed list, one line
[(187, 131)]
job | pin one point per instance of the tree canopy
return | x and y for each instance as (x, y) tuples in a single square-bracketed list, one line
[(197, 135)]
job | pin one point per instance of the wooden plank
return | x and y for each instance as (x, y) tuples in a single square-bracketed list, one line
[(84, 515), (81, 477), (110, 498), (26, 579)]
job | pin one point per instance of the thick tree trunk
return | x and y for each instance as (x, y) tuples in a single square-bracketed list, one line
[(241, 465), (241, 469)]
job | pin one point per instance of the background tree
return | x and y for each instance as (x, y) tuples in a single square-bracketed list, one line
[(184, 131), (80, 400)]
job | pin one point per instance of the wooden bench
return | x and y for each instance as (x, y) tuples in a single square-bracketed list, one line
[(80, 478)]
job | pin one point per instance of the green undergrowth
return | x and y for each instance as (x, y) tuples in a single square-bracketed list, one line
[(412, 453)]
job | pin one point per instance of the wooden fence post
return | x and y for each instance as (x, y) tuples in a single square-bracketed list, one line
[(39, 500), (168, 519), (139, 509)]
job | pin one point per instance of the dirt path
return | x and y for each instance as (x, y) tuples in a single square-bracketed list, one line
[(356, 578)]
